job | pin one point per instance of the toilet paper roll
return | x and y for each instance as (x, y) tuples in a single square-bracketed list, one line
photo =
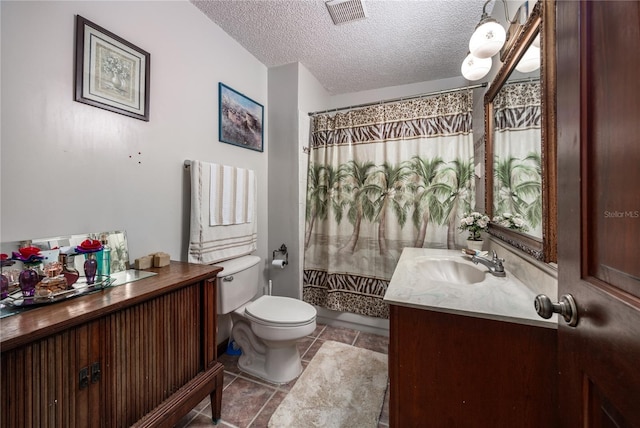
[(278, 263)]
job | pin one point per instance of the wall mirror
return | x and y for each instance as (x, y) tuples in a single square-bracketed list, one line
[(117, 242), (520, 140)]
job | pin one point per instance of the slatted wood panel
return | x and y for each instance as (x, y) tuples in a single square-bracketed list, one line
[(154, 340), (153, 350), (40, 381)]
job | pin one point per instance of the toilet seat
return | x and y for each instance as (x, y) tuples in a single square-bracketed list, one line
[(280, 311)]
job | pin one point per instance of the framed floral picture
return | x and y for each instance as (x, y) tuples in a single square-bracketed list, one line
[(240, 119), (111, 73)]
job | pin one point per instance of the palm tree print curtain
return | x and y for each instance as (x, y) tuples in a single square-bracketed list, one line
[(517, 168), (380, 179)]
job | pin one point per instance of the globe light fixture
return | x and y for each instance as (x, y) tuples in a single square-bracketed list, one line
[(475, 68), (486, 41), (536, 41), (488, 38), (530, 61)]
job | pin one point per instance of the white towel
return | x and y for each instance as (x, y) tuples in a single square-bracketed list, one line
[(251, 195), (231, 193), (228, 193), (241, 194), (211, 244)]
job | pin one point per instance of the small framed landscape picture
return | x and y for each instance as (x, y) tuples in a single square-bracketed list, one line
[(111, 73), (240, 119)]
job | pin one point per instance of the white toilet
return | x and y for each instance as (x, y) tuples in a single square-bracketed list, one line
[(267, 328)]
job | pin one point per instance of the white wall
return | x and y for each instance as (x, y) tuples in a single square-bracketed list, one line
[(71, 168), (283, 171), (293, 93), (311, 97)]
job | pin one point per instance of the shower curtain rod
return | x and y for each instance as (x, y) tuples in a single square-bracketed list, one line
[(393, 100), (523, 80)]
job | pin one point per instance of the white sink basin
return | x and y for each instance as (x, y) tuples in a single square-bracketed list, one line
[(446, 281), (452, 271)]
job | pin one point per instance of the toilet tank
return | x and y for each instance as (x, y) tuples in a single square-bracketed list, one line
[(237, 283)]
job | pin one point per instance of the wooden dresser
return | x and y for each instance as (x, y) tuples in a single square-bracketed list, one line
[(142, 353)]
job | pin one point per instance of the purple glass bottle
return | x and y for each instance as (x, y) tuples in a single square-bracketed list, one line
[(28, 279), (90, 269)]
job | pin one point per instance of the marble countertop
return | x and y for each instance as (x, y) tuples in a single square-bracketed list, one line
[(502, 299)]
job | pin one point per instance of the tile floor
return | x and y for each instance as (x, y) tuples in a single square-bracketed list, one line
[(249, 402)]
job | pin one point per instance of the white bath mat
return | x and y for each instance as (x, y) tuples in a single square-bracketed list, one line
[(343, 386)]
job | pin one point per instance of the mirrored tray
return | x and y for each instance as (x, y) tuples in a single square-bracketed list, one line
[(16, 299)]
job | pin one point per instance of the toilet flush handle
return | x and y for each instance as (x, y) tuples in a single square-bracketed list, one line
[(228, 278)]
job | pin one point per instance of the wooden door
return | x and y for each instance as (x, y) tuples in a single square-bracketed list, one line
[(599, 211)]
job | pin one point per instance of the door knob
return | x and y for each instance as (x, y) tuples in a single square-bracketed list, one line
[(565, 307)]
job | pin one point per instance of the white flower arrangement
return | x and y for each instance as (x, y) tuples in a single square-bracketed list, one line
[(511, 221), (474, 223)]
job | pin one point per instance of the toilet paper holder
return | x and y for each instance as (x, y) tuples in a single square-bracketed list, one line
[(282, 250)]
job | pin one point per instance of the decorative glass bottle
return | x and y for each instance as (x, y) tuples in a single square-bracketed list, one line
[(4, 279), (104, 258), (4, 286), (90, 268), (31, 258), (28, 279), (70, 273), (89, 247)]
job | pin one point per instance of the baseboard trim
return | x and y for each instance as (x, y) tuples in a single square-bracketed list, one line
[(362, 323), (222, 347)]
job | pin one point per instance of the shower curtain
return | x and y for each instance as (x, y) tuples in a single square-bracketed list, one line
[(517, 183), (382, 178)]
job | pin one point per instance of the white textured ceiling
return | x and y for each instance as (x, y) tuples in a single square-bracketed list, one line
[(400, 42)]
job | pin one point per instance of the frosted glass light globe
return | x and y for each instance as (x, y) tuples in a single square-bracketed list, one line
[(475, 68), (530, 60), (487, 40), (536, 41)]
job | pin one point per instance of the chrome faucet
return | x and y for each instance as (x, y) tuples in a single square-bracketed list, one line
[(494, 265)]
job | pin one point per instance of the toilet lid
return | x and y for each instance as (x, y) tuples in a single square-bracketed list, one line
[(281, 310)]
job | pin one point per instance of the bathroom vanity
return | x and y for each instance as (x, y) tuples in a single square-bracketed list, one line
[(466, 348), (141, 353)]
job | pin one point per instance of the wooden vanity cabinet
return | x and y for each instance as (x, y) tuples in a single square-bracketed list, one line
[(141, 354), (458, 371), (40, 380)]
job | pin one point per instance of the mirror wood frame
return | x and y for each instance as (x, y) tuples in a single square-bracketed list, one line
[(542, 19)]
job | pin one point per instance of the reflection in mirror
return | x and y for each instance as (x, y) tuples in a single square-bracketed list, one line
[(520, 139), (117, 241), (59, 258), (517, 177)]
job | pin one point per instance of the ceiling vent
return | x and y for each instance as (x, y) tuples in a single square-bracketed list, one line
[(343, 11)]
